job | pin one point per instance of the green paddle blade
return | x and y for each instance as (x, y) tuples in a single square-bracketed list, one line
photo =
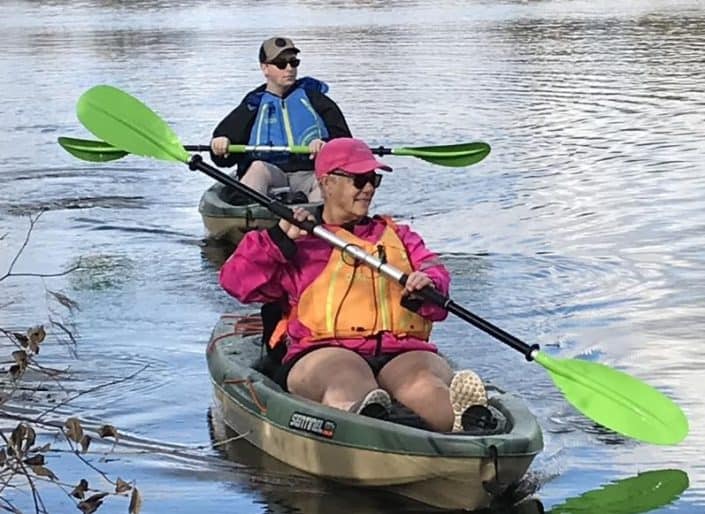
[(457, 155), (617, 400), (642, 493), (128, 124), (88, 150)]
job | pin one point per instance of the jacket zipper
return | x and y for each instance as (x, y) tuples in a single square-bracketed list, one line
[(287, 124)]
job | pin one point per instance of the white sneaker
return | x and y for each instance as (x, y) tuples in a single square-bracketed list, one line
[(466, 389), (376, 404)]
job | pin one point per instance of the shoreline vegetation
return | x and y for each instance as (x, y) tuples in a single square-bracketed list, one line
[(33, 398)]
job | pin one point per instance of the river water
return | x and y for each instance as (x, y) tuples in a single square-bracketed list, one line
[(583, 230)]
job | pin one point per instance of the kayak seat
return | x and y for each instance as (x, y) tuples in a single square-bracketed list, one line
[(232, 196), (270, 359)]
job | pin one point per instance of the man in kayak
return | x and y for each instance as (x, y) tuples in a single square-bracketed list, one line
[(354, 339), (282, 112)]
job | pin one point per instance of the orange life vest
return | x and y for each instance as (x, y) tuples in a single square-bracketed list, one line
[(350, 300)]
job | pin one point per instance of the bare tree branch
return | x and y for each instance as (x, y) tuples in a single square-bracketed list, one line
[(42, 275), (90, 390), (9, 273), (32, 221), (22, 464)]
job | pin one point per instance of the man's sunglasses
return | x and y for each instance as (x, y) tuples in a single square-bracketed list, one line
[(360, 181), (281, 63)]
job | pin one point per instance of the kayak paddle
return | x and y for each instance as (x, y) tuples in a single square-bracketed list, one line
[(458, 155), (610, 397)]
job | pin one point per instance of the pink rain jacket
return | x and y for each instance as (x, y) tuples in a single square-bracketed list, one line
[(258, 272)]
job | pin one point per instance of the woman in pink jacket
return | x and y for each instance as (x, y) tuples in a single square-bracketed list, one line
[(354, 338)]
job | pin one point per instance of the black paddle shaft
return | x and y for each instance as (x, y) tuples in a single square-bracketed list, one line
[(429, 293), (434, 296)]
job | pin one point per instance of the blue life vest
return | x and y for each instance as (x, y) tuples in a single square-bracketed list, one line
[(286, 121)]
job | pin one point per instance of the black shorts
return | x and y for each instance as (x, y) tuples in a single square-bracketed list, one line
[(376, 363)]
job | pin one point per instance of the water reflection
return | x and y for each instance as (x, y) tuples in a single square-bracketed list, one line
[(634, 495)]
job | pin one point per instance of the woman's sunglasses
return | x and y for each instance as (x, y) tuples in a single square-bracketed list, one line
[(360, 181), (281, 63)]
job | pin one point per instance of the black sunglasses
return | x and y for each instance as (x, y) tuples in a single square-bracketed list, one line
[(360, 181), (281, 63)]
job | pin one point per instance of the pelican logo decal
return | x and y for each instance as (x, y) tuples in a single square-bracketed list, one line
[(312, 424)]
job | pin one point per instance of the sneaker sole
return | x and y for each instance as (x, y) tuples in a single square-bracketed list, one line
[(466, 389)]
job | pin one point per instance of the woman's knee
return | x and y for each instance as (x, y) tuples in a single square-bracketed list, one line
[(427, 395), (331, 376)]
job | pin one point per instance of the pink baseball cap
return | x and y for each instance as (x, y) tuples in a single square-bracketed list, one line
[(349, 155)]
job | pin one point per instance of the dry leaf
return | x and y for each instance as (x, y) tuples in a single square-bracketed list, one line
[(3, 458), (74, 429), (36, 334), (42, 471), (80, 490), (135, 502), (16, 371), (108, 431), (121, 486), (85, 443), (92, 503), (21, 359), (64, 300), (31, 438), (23, 437), (21, 338), (18, 434), (35, 460)]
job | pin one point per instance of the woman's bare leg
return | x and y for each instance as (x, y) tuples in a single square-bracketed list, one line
[(420, 380), (333, 376)]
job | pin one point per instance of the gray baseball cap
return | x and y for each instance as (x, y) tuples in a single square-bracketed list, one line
[(271, 48)]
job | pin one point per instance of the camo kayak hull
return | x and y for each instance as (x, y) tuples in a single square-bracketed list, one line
[(228, 220), (445, 470)]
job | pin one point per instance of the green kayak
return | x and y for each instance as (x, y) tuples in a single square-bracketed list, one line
[(227, 217), (461, 470)]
